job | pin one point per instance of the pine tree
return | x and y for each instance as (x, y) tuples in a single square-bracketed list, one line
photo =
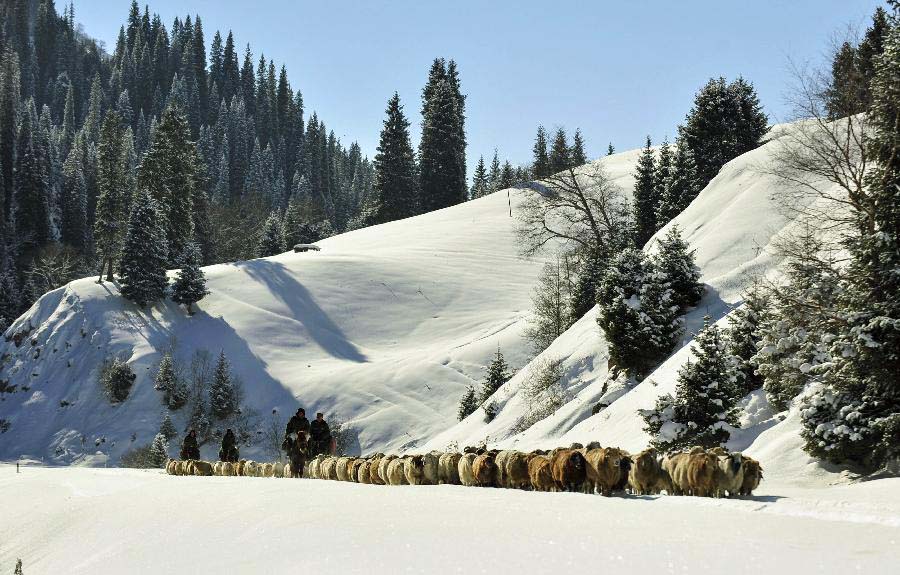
[(142, 269), (577, 154), (190, 283), (109, 229), (559, 153), (744, 337), (705, 398), (468, 404), (441, 182), (494, 175), (676, 262), (681, 188), (395, 190), (169, 383), (507, 176), (159, 450), (223, 400), (540, 166), (590, 274), (270, 237), (663, 178), (497, 373), (479, 179), (610, 149), (646, 197), (167, 428)]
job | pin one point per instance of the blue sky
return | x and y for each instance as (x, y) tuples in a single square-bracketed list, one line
[(617, 70)]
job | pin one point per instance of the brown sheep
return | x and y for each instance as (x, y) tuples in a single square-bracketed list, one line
[(396, 472), (268, 470), (171, 466), (540, 473), (383, 468), (647, 476), (203, 468), (448, 468), (414, 469), (239, 467), (752, 475), (606, 468), (362, 473), (431, 460), (227, 469), (354, 469), (729, 474), (466, 475), (516, 471), (484, 469), (217, 468), (374, 478), (692, 473), (569, 469)]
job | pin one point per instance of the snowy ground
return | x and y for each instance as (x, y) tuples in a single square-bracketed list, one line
[(97, 521)]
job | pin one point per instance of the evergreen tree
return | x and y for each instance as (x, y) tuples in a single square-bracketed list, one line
[(744, 337), (270, 237), (559, 153), (441, 153), (167, 428), (395, 190), (494, 174), (663, 178), (169, 383), (497, 373), (705, 398), (507, 176), (676, 262), (479, 179), (646, 197), (610, 150), (223, 401), (190, 283), (31, 201), (142, 269), (590, 274), (540, 166), (681, 187), (577, 154), (468, 404), (159, 451), (109, 231)]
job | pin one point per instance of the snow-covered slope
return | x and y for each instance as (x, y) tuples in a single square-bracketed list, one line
[(384, 328), (732, 225)]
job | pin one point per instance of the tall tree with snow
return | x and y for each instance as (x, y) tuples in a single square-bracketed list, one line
[(395, 190), (223, 400), (31, 187), (270, 237), (479, 179), (467, 404), (744, 337), (109, 225), (646, 197), (676, 261), (142, 270), (190, 282), (169, 383), (442, 173), (681, 187), (496, 374), (494, 175)]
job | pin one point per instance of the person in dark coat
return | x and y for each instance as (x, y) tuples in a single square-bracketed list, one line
[(189, 447), (319, 435), (229, 450), (297, 454), (298, 423)]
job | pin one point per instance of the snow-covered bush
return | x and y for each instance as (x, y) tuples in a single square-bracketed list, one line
[(541, 392), (159, 451), (837, 427), (116, 379), (744, 337), (169, 381)]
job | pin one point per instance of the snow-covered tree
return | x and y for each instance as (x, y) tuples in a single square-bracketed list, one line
[(467, 404), (159, 450), (190, 283), (646, 196), (681, 187), (705, 398), (116, 379), (744, 337), (142, 270), (223, 401), (270, 237), (169, 383), (541, 163), (167, 428), (479, 179), (676, 261), (496, 374)]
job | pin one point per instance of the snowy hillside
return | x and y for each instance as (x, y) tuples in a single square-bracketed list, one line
[(384, 328), (732, 225)]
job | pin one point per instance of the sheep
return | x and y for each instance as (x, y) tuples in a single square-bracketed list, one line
[(466, 475), (500, 460), (729, 473), (227, 469), (431, 460), (484, 469), (383, 468), (203, 468), (353, 469), (362, 473), (692, 472), (395, 472), (540, 472), (341, 468), (329, 468), (171, 466), (374, 477), (217, 468), (268, 470), (752, 475), (286, 472), (569, 469), (516, 470), (414, 469), (315, 467), (606, 469), (183, 467), (250, 469), (647, 477), (239, 467), (448, 468)]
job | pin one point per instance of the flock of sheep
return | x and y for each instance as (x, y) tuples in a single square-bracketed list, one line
[(592, 469)]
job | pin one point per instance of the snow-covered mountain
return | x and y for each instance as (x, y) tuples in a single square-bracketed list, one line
[(384, 328)]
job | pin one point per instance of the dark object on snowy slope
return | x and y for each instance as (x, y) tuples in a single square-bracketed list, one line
[(299, 248), (189, 447), (229, 450)]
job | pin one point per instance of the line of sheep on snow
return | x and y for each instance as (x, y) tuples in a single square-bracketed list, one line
[(592, 469)]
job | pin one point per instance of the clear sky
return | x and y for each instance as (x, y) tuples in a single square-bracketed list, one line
[(617, 70)]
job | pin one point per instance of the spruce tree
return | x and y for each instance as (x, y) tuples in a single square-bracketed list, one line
[(663, 179), (507, 176), (479, 179), (559, 153), (681, 188), (610, 149), (467, 404), (395, 190), (169, 383), (31, 187), (270, 237), (167, 428), (577, 154), (222, 394), (676, 262), (190, 283), (109, 228), (646, 197), (497, 373), (744, 337), (494, 175), (441, 182), (584, 295), (142, 269), (540, 167), (159, 451)]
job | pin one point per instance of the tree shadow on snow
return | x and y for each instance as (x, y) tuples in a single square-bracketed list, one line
[(304, 308)]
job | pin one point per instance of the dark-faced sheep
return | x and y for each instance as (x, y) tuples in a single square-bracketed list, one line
[(569, 469), (484, 469), (448, 468), (466, 475), (540, 473), (752, 476), (414, 469), (729, 474), (607, 469), (647, 476)]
